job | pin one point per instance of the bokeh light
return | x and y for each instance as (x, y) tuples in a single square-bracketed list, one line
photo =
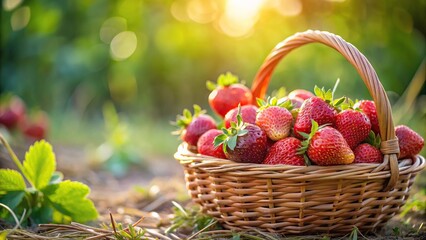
[(9, 5), (123, 45), (20, 18)]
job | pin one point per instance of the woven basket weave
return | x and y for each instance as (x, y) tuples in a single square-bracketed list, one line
[(309, 199)]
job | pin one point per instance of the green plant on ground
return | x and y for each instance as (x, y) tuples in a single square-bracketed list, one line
[(190, 219), (48, 198), (115, 153)]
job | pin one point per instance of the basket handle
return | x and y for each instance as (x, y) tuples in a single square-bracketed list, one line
[(389, 146)]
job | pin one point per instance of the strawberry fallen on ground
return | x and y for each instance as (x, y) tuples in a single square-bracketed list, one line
[(12, 111)]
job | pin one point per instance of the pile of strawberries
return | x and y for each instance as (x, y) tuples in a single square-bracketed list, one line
[(298, 129)]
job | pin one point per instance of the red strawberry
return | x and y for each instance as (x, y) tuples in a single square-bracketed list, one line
[(228, 94), (326, 146), (410, 142), (35, 128), (12, 111), (243, 142), (274, 118), (366, 153), (300, 93), (316, 109), (193, 126), (353, 125), (369, 108), (206, 146), (248, 113), (285, 152)]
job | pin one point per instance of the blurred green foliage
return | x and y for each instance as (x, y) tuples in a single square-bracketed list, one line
[(151, 58)]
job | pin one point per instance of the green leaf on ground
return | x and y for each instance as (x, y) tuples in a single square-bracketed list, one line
[(70, 199), (11, 180), (39, 164)]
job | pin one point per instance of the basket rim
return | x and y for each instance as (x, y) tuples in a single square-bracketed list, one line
[(366, 171)]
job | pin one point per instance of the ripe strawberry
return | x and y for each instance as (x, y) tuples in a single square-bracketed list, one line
[(410, 142), (228, 94), (369, 108), (300, 93), (35, 128), (326, 146), (366, 153), (353, 125), (193, 126), (274, 118), (243, 142), (248, 113), (284, 151), (313, 108), (12, 111), (206, 146)]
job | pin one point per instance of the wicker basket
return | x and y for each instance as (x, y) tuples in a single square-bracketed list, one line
[(313, 199)]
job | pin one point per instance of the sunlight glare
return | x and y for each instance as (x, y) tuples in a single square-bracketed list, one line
[(202, 11), (240, 16)]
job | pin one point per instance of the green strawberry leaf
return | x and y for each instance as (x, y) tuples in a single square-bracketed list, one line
[(11, 180), (338, 101), (227, 79), (11, 199), (318, 91), (211, 85), (335, 87), (261, 102), (304, 135), (70, 199), (39, 164), (57, 177), (232, 142)]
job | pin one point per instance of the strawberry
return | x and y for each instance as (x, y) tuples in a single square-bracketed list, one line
[(410, 142), (353, 125), (35, 128), (205, 144), (320, 108), (274, 118), (193, 126), (12, 111), (243, 142), (369, 108), (326, 146), (284, 151), (248, 113), (367, 153), (300, 93), (228, 94)]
